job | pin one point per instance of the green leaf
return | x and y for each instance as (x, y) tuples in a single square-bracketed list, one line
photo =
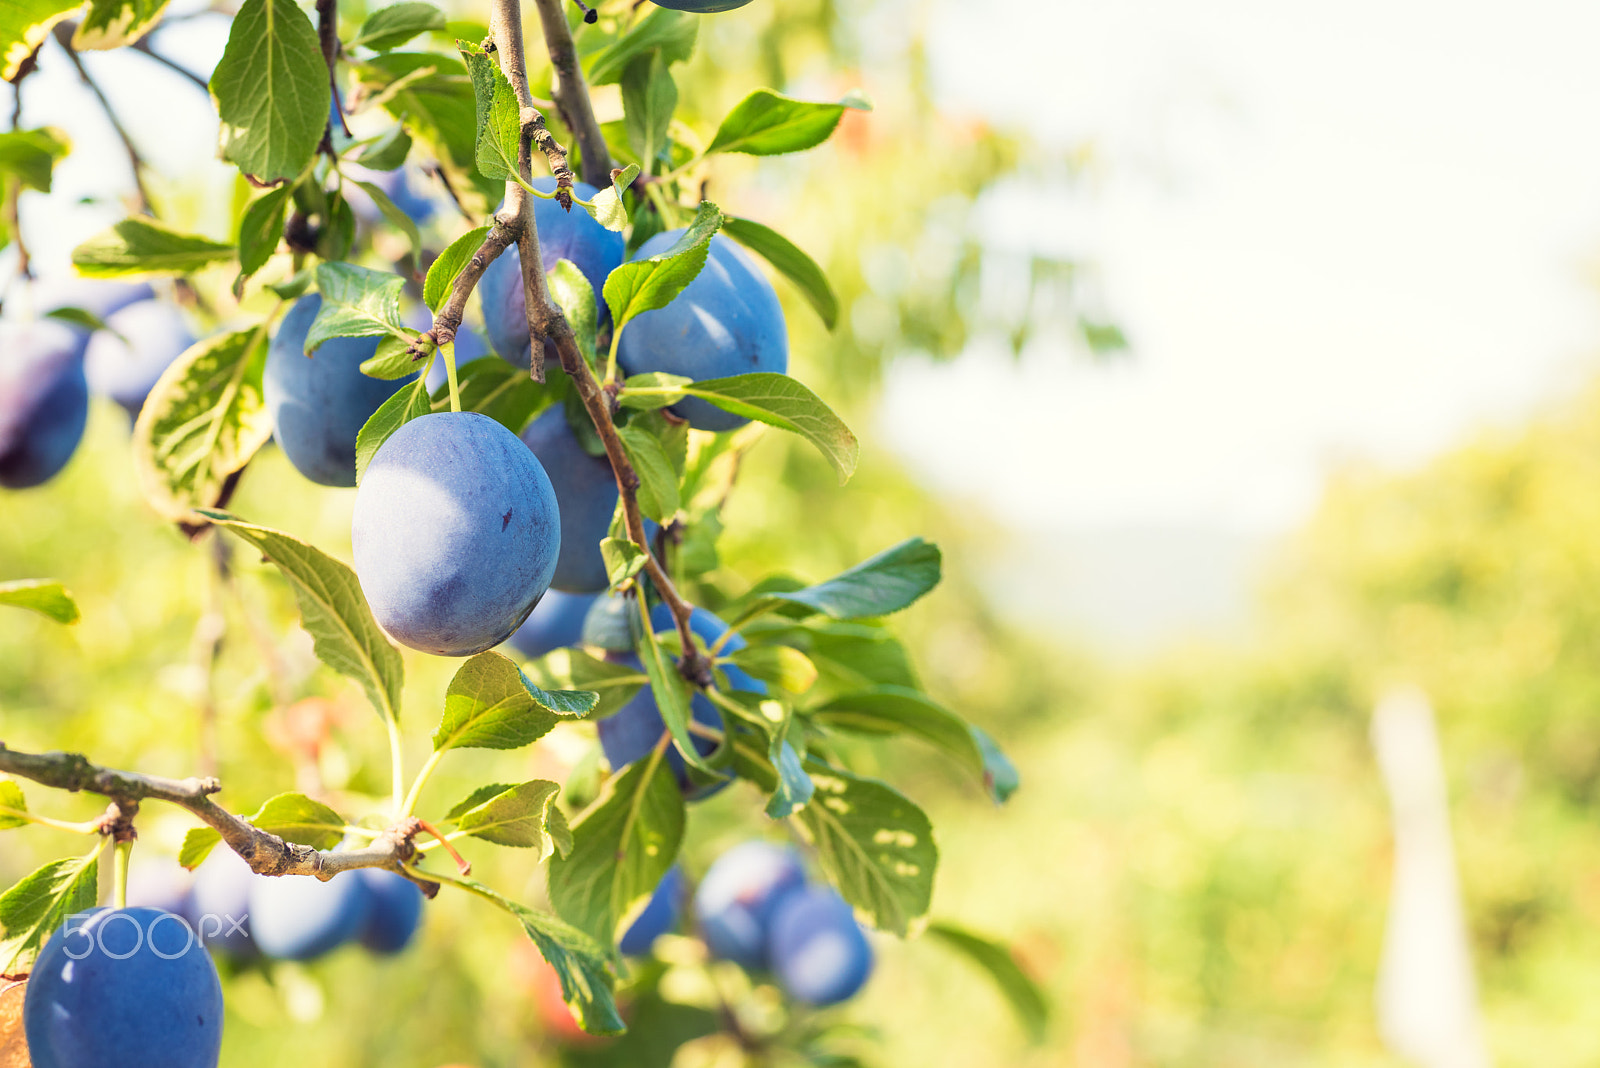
[(671, 694), (476, 798), (499, 125), (356, 302), (397, 218), (24, 24), (432, 95), (451, 262), (387, 151), (523, 817), (78, 317), (778, 664), (492, 705), (658, 483), (766, 123), (1024, 995), (649, 97), (673, 32), (140, 245), (31, 155), (271, 90), (623, 560), (261, 228), (344, 635), (45, 596), (876, 846), (404, 405), (11, 802), (895, 710), (393, 359), (888, 582), (203, 420), (788, 259), (607, 208), (794, 789), (297, 818), (295, 286), (572, 669), (502, 391), (621, 847), (643, 285), (31, 911), (114, 23), (652, 390), (197, 846), (390, 27), (579, 963), (575, 296)]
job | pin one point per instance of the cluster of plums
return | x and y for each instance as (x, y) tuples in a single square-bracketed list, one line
[(49, 367)]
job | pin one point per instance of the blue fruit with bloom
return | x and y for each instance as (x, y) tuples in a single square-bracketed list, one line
[(816, 948), (296, 917), (702, 6), (660, 915), (555, 623), (44, 400), (587, 491), (735, 901), (394, 911), (124, 361)]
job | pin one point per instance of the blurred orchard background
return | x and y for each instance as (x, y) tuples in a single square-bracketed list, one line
[(1238, 357)]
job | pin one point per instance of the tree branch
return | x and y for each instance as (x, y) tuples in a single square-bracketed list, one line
[(328, 37), (142, 45), (502, 234), (572, 94), (63, 33)]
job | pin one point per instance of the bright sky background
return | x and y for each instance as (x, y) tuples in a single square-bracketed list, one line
[(1332, 232)]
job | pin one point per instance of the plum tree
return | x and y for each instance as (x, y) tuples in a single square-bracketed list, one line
[(129, 987), (394, 911), (816, 948), (303, 919), (319, 403), (660, 915), (586, 489), (557, 621), (563, 235), (455, 533), (124, 361), (734, 903), (44, 400), (726, 322)]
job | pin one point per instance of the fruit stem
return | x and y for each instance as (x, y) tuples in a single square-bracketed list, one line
[(397, 770), (450, 373), (119, 870)]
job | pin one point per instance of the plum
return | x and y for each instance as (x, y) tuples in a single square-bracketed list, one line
[(124, 362), (701, 6), (100, 299), (660, 915), (394, 912), (296, 917), (563, 235), (320, 403), (220, 903), (555, 623), (816, 948), (129, 987), (735, 901), (725, 322), (44, 400), (455, 533), (587, 492)]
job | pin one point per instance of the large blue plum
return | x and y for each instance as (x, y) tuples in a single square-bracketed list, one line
[(817, 950), (725, 322), (124, 362), (735, 901), (455, 533), (587, 491), (660, 915), (556, 622), (100, 299), (44, 400), (394, 911), (702, 6), (220, 903), (295, 917), (563, 235), (125, 987), (319, 403)]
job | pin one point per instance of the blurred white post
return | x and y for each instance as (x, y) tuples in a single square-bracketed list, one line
[(1427, 997)]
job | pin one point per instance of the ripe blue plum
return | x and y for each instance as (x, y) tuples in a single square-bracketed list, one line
[(320, 403), (124, 362), (295, 917), (563, 235), (455, 533), (100, 299), (701, 6), (44, 400), (725, 322), (221, 903), (587, 491), (394, 912), (129, 987), (409, 191), (555, 622), (816, 948), (735, 902), (660, 915)]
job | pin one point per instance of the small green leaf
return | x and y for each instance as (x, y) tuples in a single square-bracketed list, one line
[(649, 97), (671, 694), (607, 207), (390, 27), (385, 152), (492, 705), (1025, 996), (658, 483), (476, 798), (31, 911), (789, 261), (644, 285), (31, 155), (451, 262), (572, 669), (404, 405), (397, 218), (140, 245), (432, 95), (197, 846), (333, 611), (783, 402), (271, 90), (499, 125), (673, 32), (652, 390), (766, 123), (575, 295), (203, 420), (778, 664), (523, 817), (623, 560), (795, 788), (114, 23), (622, 845), (45, 596), (78, 317), (392, 359), (356, 302), (297, 818), (261, 229), (876, 846), (295, 286), (888, 582), (12, 802)]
